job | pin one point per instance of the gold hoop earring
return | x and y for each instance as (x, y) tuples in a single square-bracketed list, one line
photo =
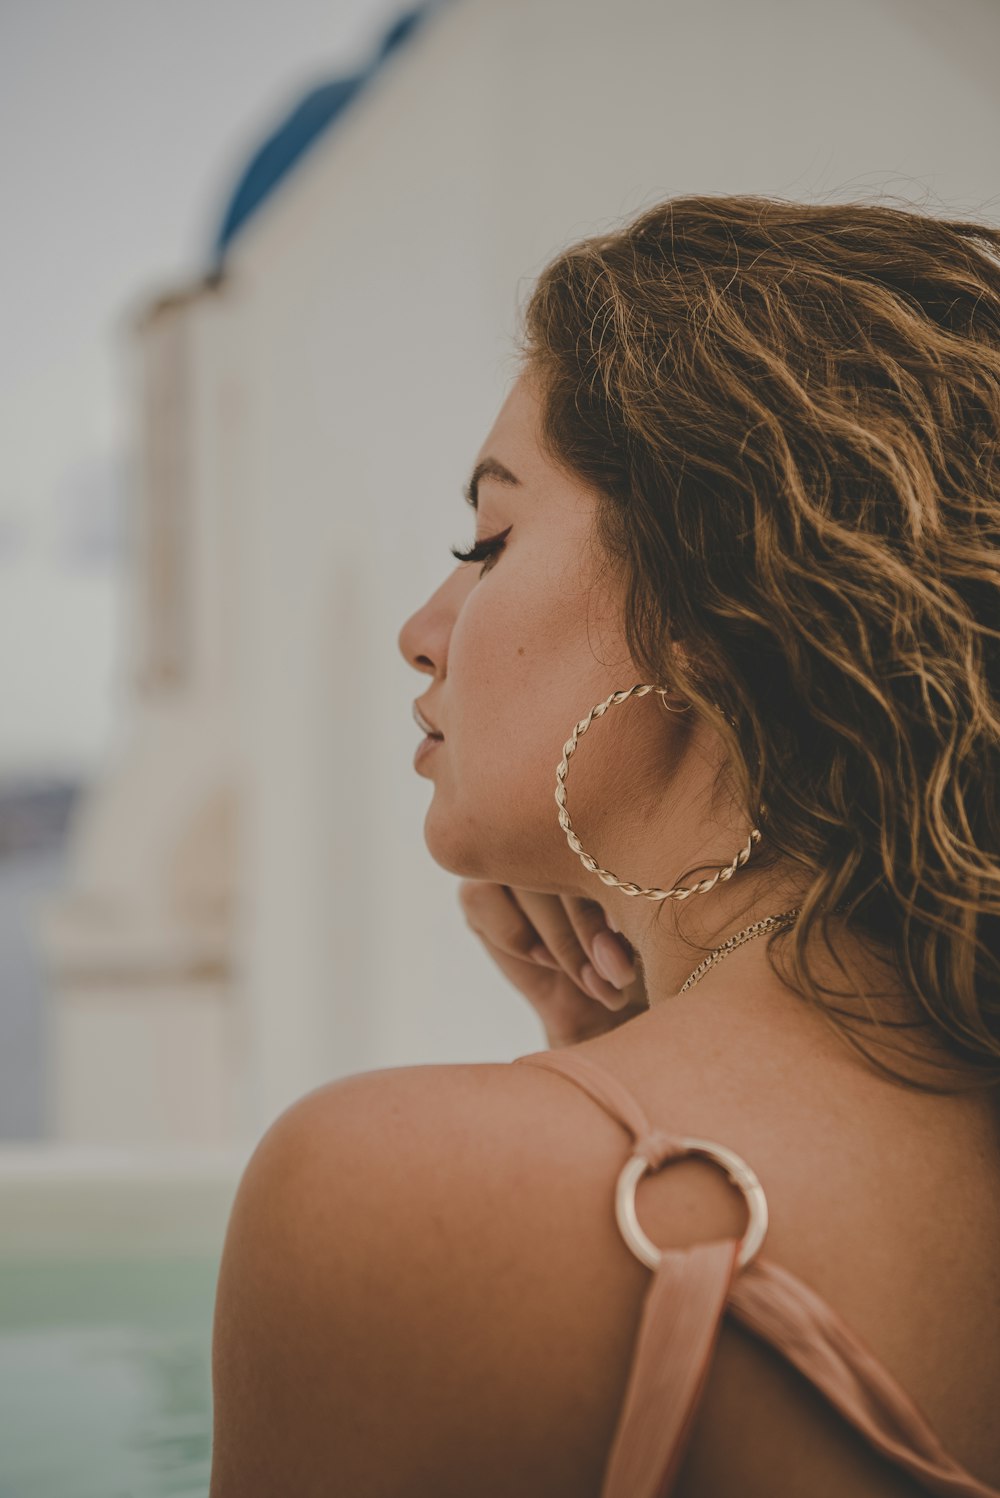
[(679, 892)]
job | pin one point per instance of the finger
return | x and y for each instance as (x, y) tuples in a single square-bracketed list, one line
[(536, 983), (494, 914), (549, 917), (566, 1011), (610, 953), (576, 931)]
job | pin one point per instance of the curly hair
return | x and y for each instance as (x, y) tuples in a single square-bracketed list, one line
[(790, 413)]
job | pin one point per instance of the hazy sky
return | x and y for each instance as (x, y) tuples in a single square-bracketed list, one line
[(123, 126)]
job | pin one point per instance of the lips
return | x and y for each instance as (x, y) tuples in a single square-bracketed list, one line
[(425, 723)]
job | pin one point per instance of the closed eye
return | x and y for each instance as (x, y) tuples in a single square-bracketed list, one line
[(482, 551)]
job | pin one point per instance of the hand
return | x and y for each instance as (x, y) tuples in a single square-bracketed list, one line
[(547, 945)]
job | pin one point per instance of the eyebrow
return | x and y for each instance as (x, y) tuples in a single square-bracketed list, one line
[(487, 468)]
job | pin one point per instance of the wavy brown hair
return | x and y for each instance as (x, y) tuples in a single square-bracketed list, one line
[(791, 414)]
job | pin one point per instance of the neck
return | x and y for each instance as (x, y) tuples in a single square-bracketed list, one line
[(742, 987), (672, 938)]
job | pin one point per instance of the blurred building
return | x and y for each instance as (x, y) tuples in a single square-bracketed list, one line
[(35, 813), (253, 910)]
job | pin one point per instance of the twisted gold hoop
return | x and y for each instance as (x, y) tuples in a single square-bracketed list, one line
[(679, 892)]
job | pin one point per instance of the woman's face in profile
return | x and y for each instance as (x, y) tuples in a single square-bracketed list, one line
[(517, 648)]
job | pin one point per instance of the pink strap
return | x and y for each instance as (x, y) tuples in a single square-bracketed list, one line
[(783, 1311), (681, 1319), (599, 1084), (680, 1324)]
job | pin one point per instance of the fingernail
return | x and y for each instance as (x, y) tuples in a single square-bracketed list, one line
[(540, 953), (592, 982), (610, 961)]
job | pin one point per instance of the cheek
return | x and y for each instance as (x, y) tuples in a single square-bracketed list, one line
[(523, 671), (525, 664), (497, 674)]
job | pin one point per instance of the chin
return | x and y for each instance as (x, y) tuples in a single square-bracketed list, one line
[(496, 854), (454, 845), (462, 854)]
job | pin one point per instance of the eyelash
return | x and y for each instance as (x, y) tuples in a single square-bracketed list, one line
[(482, 551)]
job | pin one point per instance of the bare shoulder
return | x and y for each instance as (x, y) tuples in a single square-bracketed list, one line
[(345, 1350), (401, 1289)]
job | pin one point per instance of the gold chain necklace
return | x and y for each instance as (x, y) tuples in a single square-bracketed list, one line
[(747, 934)]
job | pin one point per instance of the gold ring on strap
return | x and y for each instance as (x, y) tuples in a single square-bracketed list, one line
[(736, 1169)]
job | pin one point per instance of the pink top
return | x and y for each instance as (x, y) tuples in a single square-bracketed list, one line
[(689, 1293)]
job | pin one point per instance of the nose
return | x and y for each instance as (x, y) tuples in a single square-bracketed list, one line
[(423, 639)]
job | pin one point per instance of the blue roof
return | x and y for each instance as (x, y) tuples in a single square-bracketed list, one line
[(311, 118)]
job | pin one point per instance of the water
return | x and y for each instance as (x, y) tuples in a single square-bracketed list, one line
[(105, 1378)]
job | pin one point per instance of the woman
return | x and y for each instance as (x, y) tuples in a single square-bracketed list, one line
[(743, 497)]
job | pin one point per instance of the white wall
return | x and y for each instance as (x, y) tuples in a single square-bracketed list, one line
[(373, 303), (147, 1031)]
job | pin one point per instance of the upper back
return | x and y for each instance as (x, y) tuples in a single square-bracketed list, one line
[(882, 1200), (500, 1313)]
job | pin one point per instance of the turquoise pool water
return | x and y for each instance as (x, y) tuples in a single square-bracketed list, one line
[(105, 1378)]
